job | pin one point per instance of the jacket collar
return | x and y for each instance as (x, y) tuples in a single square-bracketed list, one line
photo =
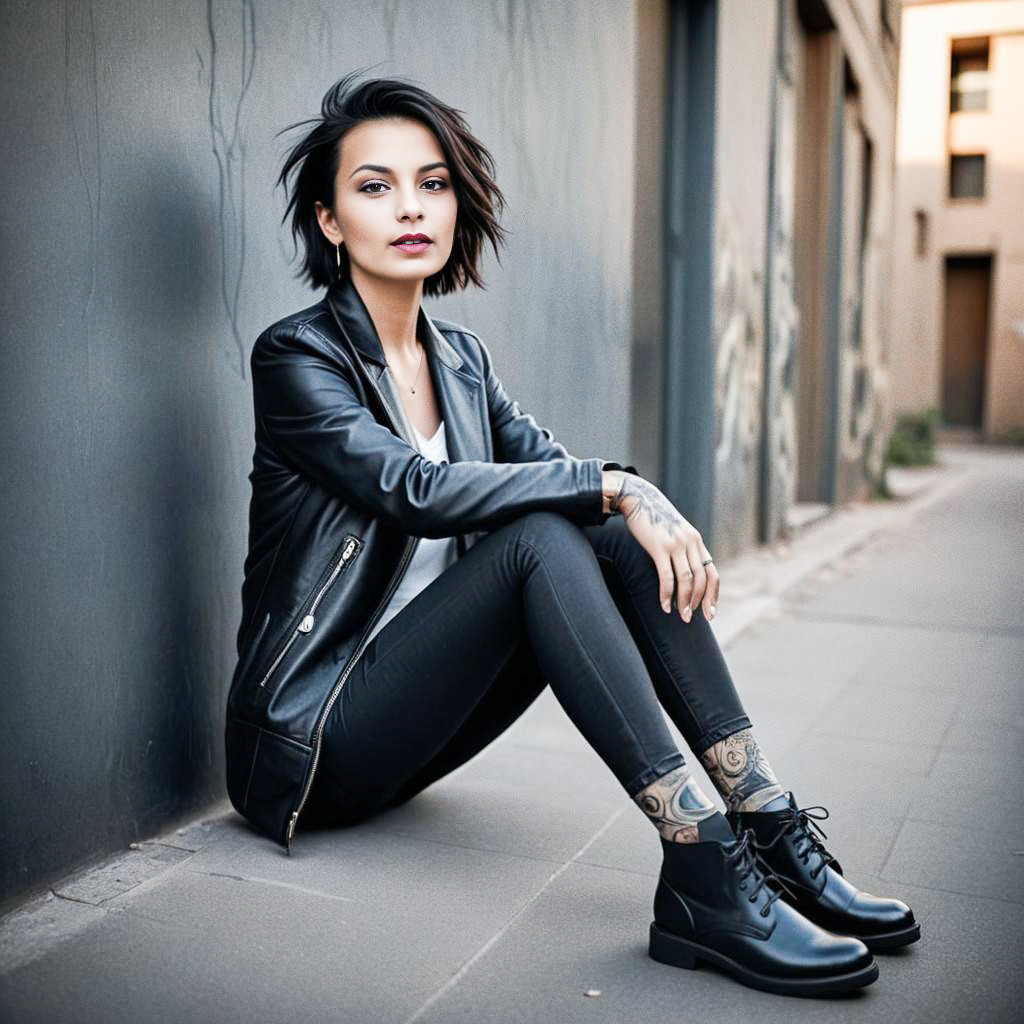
[(354, 318), (456, 386)]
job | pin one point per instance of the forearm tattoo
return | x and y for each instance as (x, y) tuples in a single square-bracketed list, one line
[(637, 496), (740, 772), (676, 805)]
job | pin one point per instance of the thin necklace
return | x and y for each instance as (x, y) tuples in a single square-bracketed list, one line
[(418, 368)]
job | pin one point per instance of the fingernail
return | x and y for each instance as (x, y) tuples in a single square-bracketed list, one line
[(712, 611), (687, 613), (665, 606)]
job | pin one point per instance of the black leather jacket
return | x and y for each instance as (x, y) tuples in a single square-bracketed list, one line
[(340, 498)]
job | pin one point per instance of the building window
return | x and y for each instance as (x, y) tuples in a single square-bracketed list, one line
[(968, 75), (967, 176)]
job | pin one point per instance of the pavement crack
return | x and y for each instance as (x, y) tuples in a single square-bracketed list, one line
[(305, 890), (72, 899)]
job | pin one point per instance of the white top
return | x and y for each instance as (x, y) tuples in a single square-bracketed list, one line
[(433, 554)]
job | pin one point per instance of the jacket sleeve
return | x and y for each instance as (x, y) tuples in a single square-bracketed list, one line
[(517, 435), (313, 418)]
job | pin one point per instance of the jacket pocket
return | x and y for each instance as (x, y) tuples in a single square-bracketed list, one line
[(306, 619)]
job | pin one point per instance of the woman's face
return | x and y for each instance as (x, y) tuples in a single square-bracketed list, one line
[(392, 181)]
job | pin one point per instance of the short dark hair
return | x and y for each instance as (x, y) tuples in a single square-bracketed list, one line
[(318, 153)]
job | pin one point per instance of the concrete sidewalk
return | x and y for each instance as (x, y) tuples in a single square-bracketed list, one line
[(879, 655)]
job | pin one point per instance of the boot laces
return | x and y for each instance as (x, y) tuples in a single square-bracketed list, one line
[(801, 820), (743, 855)]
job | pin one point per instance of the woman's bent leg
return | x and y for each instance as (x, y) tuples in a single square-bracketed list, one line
[(518, 684), (532, 582), (688, 670)]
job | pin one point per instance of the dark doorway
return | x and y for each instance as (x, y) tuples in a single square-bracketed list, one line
[(965, 339)]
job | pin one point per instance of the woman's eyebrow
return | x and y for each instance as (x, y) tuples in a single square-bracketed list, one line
[(387, 170)]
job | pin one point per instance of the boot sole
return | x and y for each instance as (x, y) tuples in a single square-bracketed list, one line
[(889, 940), (670, 949)]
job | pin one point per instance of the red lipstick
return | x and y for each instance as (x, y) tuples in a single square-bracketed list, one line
[(412, 243)]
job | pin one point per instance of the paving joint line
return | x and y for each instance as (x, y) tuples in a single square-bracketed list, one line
[(453, 981)]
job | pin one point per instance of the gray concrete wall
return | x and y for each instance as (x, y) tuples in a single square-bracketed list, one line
[(142, 254)]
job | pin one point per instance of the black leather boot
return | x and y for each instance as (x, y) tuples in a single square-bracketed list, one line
[(815, 883), (714, 903)]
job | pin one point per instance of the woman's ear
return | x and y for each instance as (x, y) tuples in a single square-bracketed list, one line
[(328, 224)]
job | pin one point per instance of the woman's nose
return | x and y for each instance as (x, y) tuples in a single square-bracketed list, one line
[(409, 205)]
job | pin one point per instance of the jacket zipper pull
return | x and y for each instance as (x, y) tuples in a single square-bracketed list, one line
[(292, 821)]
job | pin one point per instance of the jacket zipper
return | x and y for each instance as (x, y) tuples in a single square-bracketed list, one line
[(399, 573), (309, 619)]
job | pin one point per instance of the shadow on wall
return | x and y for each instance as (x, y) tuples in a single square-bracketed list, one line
[(183, 466), (117, 642)]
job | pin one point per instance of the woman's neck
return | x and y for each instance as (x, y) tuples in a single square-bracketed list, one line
[(394, 309)]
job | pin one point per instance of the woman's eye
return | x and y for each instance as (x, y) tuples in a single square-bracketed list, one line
[(368, 187)]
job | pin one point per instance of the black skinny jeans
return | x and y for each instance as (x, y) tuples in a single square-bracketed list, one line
[(537, 601)]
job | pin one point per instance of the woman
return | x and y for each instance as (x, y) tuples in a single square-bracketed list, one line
[(424, 559)]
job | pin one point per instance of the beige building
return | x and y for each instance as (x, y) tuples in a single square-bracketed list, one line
[(958, 318)]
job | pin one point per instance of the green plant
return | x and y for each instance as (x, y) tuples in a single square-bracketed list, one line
[(912, 440)]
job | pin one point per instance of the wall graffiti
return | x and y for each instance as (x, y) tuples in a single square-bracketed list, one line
[(739, 367)]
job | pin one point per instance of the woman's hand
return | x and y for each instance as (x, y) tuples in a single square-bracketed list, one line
[(674, 544)]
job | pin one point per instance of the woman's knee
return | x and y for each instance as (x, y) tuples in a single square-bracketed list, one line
[(547, 525), (548, 538)]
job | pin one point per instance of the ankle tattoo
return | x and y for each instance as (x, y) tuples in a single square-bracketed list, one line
[(740, 772), (676, 805)]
